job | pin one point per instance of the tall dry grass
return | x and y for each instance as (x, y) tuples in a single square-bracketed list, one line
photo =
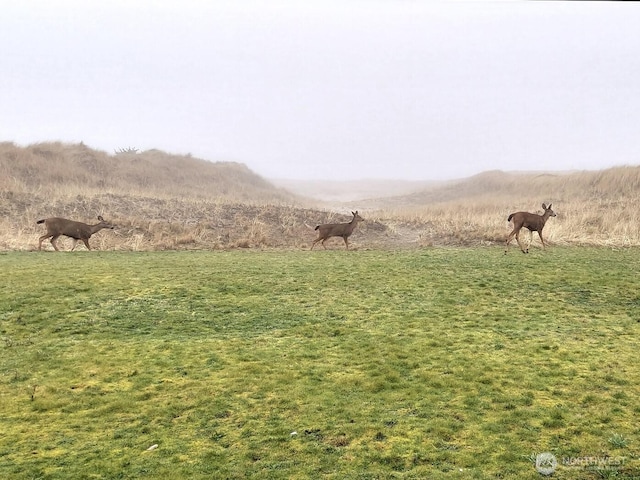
[(59, 170), (596, 208), (161, 201), (158, 200)]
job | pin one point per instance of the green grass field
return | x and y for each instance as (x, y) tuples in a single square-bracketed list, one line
[(435, 363)]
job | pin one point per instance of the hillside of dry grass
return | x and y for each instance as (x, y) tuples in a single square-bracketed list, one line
[(593, 207), (161, 201), (58, 169), (157, 200)]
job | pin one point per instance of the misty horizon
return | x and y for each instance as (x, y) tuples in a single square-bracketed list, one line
[(331, 90)]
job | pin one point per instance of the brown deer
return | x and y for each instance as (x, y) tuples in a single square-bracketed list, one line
[(69, 228), (343, 230), (531, 221)]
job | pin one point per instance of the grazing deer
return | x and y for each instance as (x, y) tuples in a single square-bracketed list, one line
[(69, 228), (343, 230), (531, 221)]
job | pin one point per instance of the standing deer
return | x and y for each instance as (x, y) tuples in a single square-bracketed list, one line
[(76, 230), (531, 221), (343, 230)]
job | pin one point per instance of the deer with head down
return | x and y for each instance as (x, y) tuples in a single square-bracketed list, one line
[(532, 222), (344, 230), (69, 228)]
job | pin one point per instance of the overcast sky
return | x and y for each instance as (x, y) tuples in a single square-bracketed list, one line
[(330, 89)]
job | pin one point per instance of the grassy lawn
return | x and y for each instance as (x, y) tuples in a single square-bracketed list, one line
[(436, 363)]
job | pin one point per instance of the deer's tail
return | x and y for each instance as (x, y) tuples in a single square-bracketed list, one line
[(317, 227), (40, 221), (510, 217)]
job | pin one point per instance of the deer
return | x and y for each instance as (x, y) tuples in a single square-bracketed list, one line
[(531, 221), (344, 230), (57, 226)]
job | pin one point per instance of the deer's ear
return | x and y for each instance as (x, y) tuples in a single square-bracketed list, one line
[(549, 206), (544, 206), (100, 218)]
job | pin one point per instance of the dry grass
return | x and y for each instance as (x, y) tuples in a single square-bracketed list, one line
[(164, 202), (61, 170), (594, 208)]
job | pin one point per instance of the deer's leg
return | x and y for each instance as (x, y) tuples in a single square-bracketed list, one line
[(509, 238), (42, 239), (53, 242), (541, 239), (86, 243), (75, 241), (346, 242), (520, 243)]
